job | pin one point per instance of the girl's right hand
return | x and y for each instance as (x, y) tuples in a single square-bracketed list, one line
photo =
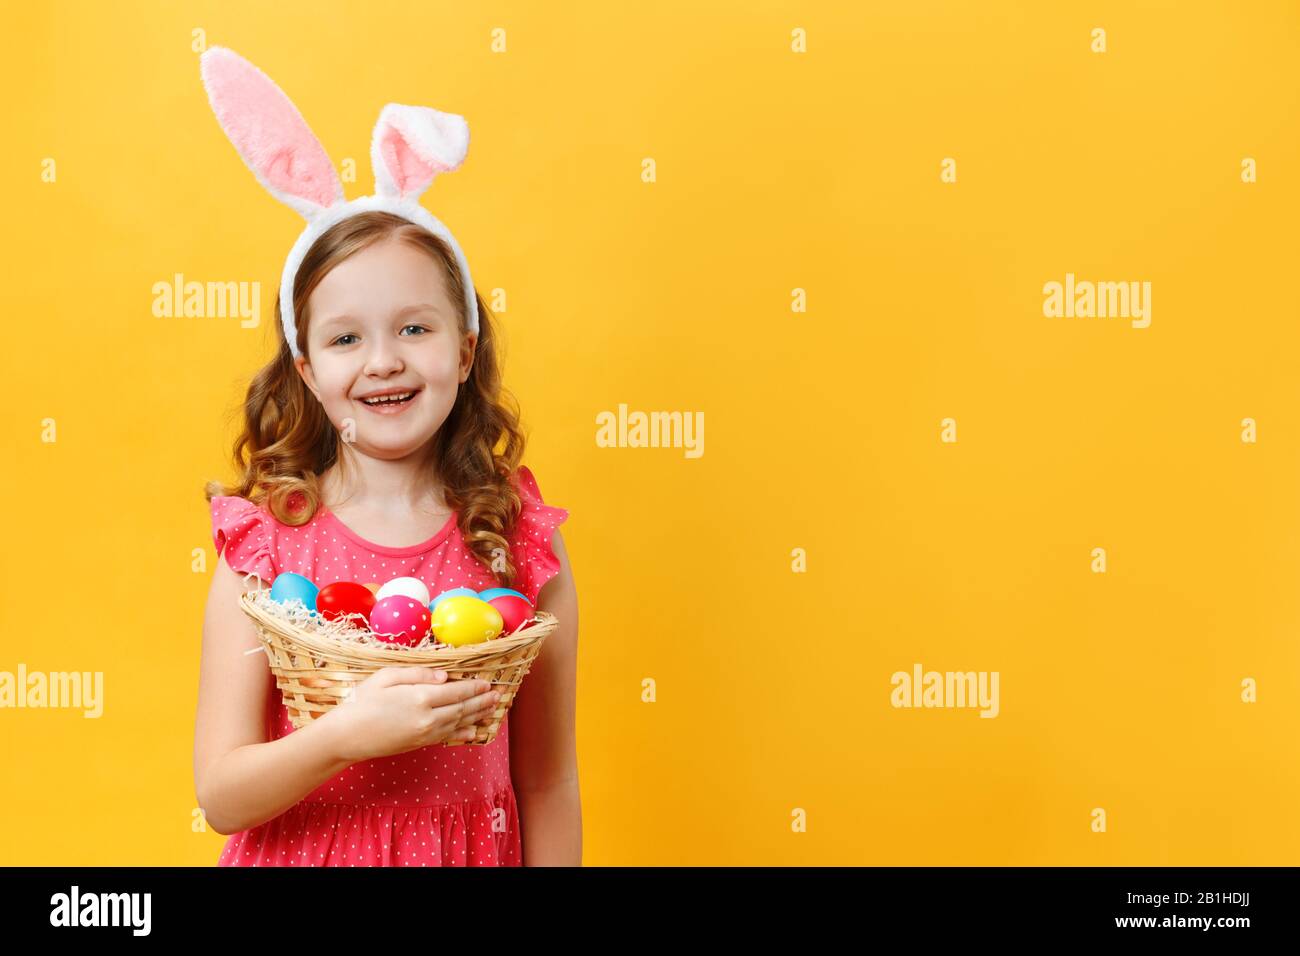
[(397, 709)]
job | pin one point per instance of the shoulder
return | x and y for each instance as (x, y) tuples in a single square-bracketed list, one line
[(535, 539), (233, 505), (244, 533), (230, 513), (525, 483), (535, 515)]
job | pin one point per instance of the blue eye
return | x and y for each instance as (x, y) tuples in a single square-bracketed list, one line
[(349, 335)]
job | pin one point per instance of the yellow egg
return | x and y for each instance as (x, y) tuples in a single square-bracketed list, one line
[(465, 620)]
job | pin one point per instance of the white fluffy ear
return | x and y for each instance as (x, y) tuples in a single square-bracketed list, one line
[(412, 145)]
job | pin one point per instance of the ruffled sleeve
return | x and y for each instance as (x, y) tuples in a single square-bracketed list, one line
[(244, 532), (531, 547)]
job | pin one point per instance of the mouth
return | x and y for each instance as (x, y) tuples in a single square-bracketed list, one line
[(391, 398), (390, 401)]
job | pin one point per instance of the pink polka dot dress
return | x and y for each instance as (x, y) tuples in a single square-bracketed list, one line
[(437, 806)]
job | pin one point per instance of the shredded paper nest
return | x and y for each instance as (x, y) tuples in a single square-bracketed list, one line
[(349, 628)]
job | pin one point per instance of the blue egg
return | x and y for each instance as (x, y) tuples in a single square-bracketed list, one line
[(468, 592), (294, 587), (491, 593)]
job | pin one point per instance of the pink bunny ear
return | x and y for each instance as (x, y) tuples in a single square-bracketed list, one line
[(413, 144), (269, 133)]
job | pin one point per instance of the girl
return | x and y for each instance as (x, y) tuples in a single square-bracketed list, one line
[(369, 452)]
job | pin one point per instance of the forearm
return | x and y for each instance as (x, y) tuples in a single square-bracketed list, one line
[(256, 783), (551, 820)]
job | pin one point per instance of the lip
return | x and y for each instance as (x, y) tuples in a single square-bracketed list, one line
[(390, 408), (388, 391)]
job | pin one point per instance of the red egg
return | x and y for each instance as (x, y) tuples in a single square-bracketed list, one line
[(514, 612), (399, 619), (344, 597)]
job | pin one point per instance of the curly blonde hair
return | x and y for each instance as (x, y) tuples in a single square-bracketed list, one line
[(287, 441)]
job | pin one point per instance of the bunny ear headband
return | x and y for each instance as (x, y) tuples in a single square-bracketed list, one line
[(410, 146)]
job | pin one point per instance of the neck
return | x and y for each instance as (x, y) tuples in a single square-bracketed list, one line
[(401, 485)]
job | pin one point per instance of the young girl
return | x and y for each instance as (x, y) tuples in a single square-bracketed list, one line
[(369, 452)]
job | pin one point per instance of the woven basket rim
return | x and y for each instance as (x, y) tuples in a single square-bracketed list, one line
[(324, 646)]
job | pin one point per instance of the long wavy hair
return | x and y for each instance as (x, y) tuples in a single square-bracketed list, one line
[(287, 442)]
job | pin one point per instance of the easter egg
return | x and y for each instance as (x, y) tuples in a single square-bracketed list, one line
[(491, 593), (413, 588), (374, 588), (514, 611), (461, 619), (294, 587), (399, 619), (344, 597), (454, 592)]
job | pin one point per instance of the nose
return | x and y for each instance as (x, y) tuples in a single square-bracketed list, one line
[(383, 357)]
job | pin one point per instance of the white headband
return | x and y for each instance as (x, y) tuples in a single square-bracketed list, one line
[(411, 145)]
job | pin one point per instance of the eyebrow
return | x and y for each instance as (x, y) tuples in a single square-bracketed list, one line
[(406, 310)]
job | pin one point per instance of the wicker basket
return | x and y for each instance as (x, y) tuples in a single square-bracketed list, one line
[(317, 663)]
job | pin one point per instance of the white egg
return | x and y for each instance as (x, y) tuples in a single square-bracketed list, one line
[(407, 587)]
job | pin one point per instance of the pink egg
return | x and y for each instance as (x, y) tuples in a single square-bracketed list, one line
[(399, 619)]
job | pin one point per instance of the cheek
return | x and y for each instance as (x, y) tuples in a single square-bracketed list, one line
[(334, 383), (442, 368)]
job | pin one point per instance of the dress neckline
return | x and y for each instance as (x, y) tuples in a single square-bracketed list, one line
[(378, 548)]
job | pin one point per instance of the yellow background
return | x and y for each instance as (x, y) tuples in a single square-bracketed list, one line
[(775, 171)]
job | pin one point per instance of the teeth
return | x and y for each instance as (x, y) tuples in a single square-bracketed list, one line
[(388, 398)]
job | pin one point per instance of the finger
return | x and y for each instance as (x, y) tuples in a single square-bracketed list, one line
[(466, 689), (418, 675), (451, 695), (480, 707)]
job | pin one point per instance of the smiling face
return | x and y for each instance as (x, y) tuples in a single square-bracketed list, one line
[(381, 322)]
